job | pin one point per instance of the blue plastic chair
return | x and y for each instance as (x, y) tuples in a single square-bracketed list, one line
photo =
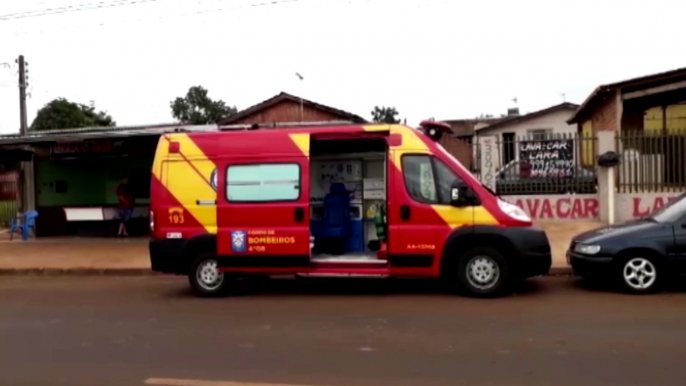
[(336, 221), (23, 223)]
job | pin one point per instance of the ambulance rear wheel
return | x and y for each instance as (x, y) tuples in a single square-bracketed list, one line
[(205, 278), (483, 272)]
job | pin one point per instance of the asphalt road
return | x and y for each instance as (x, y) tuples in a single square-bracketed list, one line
[(128, 331)]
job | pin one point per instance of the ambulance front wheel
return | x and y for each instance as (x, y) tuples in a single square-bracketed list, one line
[(205, 278), (483, 272)]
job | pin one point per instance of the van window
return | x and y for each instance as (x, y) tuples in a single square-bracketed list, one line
[(428, 179), (263, 182), (446, 178), (419, 178)]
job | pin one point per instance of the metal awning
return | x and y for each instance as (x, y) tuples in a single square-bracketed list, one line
[(83, 134)]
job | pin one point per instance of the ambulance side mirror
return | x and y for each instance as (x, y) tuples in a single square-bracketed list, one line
[(462, 195)]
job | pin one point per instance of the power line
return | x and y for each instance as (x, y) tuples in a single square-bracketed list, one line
[(50, 9), (72, 8), (267, 3), (8, 66), (253, 5)]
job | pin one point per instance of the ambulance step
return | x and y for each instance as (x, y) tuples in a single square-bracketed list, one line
[(347, 260), (351, 275)]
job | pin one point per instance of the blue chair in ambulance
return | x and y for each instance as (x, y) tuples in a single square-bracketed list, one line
[(335, 228)]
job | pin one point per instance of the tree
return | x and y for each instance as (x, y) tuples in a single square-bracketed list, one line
[(62, 114), (198, 109), (385, 115)]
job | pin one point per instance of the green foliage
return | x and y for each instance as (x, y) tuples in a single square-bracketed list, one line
[(62, 114), (385, 115), (198, 109)]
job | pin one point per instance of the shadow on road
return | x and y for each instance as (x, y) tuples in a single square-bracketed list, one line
[(288, 286), (606, 285)]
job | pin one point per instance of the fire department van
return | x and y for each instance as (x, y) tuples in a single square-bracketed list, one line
[(348, 200)]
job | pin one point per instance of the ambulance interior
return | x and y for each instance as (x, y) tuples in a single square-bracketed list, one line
[(348, 199)]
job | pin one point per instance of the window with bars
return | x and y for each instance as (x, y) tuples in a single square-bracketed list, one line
[(540, 134)]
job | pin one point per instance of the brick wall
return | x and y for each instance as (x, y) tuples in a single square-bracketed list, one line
[(605, 116), (459, 149), (288, 111)]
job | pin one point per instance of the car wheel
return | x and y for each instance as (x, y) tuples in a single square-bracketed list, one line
[(483, 272), (205, 278), (640, 275)]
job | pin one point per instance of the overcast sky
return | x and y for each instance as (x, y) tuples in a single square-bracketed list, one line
[(445, 59)]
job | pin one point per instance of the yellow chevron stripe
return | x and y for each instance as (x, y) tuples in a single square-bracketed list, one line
[(302, 141), (161, 155), (411, 143), (188, 177), (375, 127), (455, 217), (192, 153)]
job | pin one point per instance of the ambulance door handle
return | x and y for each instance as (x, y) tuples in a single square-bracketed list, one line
[(405, 212), (299, 215)]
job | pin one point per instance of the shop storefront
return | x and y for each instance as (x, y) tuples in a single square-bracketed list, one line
[(85, 174), (76, 175)]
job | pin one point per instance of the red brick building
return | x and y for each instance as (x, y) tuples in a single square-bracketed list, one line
[(289, 108), (630, 104), (648, 115)]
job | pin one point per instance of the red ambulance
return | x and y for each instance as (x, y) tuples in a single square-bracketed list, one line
[(346, 200)]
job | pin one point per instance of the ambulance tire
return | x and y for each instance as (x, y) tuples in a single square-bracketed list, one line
[(483, 272), (205, 280)]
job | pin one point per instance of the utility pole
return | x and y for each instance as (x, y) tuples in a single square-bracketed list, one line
[(23, 126), (27, 172)]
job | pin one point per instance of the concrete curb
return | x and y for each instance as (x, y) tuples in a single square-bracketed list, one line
[(555, 271)]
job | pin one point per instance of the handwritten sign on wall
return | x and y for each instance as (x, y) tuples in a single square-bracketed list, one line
[(548, 158), (490, 160)]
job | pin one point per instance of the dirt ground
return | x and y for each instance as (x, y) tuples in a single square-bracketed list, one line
[(102, 253), (73, 253)]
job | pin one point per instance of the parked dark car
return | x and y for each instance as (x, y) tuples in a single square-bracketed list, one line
[(519, 177), (641, 255)]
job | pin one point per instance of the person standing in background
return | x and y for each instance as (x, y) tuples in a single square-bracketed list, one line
[(125, 206)]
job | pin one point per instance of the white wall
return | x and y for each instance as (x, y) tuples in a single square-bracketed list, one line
[(557, 121)]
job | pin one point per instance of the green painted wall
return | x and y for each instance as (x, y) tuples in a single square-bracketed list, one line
[(90, 181)]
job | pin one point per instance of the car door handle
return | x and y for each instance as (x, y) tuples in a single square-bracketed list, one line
[(299, 215), (405, 212), (683, 226)]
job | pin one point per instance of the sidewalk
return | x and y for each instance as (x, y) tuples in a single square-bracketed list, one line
[(560, 234), (76, 256)]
